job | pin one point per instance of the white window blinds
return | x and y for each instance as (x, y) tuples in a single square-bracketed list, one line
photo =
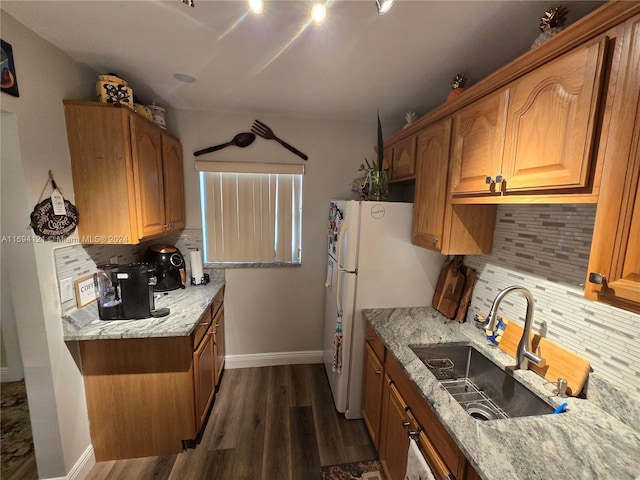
[(251, 213)]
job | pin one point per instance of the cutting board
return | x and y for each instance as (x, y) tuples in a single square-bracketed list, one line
[(470, 280), (449, 288), (560, 363)]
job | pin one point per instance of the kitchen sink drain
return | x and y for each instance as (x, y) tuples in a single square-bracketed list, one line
[(480, 411)]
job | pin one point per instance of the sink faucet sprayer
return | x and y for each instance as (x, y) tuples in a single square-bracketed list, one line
[(523, 354)]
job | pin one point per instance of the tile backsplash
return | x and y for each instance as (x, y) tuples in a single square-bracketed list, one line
[(545, 248), (77, 261)]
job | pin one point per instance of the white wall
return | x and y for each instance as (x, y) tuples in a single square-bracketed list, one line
[(54, 385), (280, 309)]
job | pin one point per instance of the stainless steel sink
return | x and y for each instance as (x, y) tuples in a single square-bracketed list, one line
[(483, 389)]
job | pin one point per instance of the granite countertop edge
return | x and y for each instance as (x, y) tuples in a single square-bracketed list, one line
[(586, 442), (186, 306)]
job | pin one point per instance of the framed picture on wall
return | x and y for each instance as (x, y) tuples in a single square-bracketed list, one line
[(8, 79)]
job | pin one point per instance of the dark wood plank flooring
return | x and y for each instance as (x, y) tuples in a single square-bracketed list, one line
[(270, 423)]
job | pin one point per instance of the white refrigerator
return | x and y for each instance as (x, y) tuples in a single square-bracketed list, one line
[(372, 264)]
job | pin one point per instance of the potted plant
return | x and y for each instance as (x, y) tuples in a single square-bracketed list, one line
[(375, 183)]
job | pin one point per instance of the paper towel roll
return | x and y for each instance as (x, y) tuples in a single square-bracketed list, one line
[(196, 267)]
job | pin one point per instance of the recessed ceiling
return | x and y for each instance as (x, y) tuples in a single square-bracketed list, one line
[(355, 62)]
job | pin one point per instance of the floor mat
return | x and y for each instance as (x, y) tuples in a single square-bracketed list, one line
[(353, 471)]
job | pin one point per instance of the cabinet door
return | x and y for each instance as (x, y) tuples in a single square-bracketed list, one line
[(220, 351), (404, 159), (478, 144), (147, 172), (431, 185), (387, 158), (552, 122), (173, 177), (394, 439), (615, 248), (204, 372), (372, 384)]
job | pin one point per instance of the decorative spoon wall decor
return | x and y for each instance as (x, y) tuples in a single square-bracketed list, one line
[(264, 131), (241, 140)]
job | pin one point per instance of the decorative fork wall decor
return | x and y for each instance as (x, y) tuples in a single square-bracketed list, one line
[(264, 131)]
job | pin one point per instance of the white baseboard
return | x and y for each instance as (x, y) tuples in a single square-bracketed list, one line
[(83, 466), (6, 375), (272, 359)]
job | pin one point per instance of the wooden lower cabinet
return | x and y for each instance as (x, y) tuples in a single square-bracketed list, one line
[(372, 384), (146, 396), (204, 375), (219, 344), (394, 439), (404, 414)]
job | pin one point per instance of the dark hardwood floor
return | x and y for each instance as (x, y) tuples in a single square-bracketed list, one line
[(270, 423)]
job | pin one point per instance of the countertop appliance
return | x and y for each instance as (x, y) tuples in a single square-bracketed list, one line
[(169, 265), (372, 264), (125, 292)]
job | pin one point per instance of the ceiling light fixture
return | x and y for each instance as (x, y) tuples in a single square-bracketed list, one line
[(191, 3), (318, 13), (384, 6), (183, 77), (256, 6)]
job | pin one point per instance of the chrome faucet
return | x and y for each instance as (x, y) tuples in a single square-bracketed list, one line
[(523, 353)]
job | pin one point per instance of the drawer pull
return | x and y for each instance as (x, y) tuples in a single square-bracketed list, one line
[(378, 372), (204, 324), (406, 423)]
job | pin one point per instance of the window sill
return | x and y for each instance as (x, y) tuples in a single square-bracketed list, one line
[(251, 265)]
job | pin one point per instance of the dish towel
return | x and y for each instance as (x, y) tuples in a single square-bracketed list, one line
[(337, 347), (417, 468)]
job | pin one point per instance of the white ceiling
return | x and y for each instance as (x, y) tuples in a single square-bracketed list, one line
[(352, 64)]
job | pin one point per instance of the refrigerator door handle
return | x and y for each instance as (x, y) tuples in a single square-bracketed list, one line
[(343, 228)]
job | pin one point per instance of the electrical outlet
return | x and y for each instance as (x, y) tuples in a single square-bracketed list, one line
[(66, 289), (113, 259)]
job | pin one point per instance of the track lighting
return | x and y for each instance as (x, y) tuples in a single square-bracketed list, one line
[(318, 13), (384, 6), (256, 6)]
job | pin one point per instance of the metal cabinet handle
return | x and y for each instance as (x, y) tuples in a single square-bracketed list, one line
[(406, 423), (204, 324), (378, 372), (597, 278), (434, 239)]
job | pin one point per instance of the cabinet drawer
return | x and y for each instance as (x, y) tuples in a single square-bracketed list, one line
[(217, 302), (374, 341), (202, 326), (439, 438)]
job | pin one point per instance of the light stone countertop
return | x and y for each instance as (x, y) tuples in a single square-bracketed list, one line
[(185, 305), (596, 438)]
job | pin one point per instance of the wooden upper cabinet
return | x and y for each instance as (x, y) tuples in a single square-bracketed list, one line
[(147, 170), (537, 133), (174, 183), (403, 166), (614, 263), (431, 185), (387, 157), (478, 144), (437, 224), (127, 174), (551, 122)]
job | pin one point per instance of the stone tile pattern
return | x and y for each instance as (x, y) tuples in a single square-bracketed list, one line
[(77, 261), (545, 248)]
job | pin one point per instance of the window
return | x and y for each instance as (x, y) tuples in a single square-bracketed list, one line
[(251, 212)]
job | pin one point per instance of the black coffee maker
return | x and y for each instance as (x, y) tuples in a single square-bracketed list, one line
[(125, 292)]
